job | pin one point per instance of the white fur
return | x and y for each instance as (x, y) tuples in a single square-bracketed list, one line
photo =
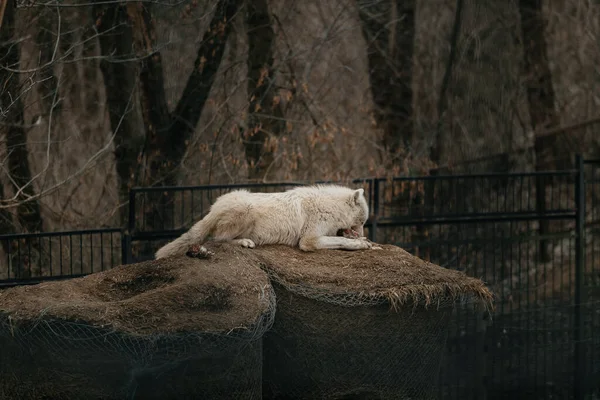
[(308, 217)]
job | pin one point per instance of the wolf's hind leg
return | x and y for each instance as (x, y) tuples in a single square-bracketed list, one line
[(235, 225)]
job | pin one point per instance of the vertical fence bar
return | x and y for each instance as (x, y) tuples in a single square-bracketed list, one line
[(579, 359)]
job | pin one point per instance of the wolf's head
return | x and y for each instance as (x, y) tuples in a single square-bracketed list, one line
[(358, 211)]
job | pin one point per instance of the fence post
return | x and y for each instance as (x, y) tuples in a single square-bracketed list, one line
[(481, 354), (579, 379), (125, 247), (375, 207), (127, 255)]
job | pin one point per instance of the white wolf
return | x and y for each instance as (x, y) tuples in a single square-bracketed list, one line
[(309, 217)]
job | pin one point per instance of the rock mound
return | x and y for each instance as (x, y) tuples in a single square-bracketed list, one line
[(180, 294), (370, 276)]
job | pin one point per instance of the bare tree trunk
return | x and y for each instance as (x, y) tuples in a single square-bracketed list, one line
[(195, 94), (540, 94), (168, 134), (389, 30), (90, 95), (388, 27), (119, 79), (436, 147), (157, 206), (265, 117), (538, 81), (435, 154), (46, 41), (27, 210), (155, 111)]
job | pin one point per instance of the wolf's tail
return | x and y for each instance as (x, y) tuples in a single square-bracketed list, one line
[(196, 235)]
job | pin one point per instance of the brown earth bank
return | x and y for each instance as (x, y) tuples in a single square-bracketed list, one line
[(166, 296)]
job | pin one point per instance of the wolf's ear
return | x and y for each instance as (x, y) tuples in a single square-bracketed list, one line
[(358, 193)]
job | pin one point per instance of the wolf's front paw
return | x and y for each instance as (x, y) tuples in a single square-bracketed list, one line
[(247, 243), (363, 243), (367, 244)]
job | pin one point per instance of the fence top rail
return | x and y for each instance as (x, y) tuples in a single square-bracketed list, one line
[(497, 175), (237, 185), (6, 283), (60, 233), (211, 186)]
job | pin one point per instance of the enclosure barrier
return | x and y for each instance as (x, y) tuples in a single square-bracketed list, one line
[(30, 258)]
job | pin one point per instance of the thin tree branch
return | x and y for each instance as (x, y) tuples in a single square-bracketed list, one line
[(435, 152)]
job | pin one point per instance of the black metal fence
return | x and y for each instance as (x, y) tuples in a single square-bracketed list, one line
[(34, 257), (532, 237)]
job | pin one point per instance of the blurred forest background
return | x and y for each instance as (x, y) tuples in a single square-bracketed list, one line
[(100, 96)]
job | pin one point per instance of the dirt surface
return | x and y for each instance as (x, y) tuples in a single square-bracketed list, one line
[(391, 272), (178, 294)]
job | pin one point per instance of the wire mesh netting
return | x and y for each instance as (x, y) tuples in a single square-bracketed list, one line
[(385, 340), (63, 360), (200, 337), (320, 350)]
